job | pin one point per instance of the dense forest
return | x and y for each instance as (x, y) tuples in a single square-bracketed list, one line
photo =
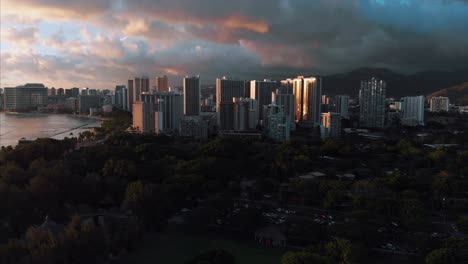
[(55, 195)]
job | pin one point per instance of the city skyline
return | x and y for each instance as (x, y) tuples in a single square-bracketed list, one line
[(99, 44)]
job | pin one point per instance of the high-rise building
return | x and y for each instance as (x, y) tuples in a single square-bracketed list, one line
[(372, 103), (121, 97), (288, 103), (225, 116), (308, 93), (162, 84), (143, 117), (75, 92), (60, 92), (412, 109), (286, 87), (342, 105), (1, 99), (93, 92), (245, 114), (226, 90), (88, 102), (25, 97), (440, 103), (192, 92), (130, 95), (140, 85), (261, 91), (168, 108), (331, 125), (277, 124), (52, 91)]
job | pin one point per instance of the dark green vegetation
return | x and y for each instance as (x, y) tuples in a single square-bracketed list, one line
[(404, 194), (178, 248)]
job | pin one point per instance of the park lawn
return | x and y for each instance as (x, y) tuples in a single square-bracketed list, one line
[(176, 248)]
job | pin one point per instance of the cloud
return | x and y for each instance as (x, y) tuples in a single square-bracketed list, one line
[(21, 36), (249, 39)]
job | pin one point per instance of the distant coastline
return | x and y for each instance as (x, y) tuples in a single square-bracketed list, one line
[(99, 118)]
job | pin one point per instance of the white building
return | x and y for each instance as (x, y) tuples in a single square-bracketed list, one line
[(331, 125), (439, 104), (412, 109)]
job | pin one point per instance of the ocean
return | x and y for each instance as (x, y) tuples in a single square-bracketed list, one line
[(13, 127)]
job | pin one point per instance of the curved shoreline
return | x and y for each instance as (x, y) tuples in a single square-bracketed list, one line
[(97, 118), (86, 123)]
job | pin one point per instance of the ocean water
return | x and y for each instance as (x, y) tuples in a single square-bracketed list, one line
[(13, 127)]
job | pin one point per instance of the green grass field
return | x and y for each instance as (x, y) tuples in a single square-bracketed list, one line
[(175, 248)]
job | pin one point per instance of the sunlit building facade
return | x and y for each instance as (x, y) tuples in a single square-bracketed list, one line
[(308, 99)]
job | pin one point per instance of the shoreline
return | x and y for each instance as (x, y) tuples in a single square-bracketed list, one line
[(97, 118), (87, 124)]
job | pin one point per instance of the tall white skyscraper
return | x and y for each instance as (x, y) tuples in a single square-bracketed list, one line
[(372, 103), (412, 109), (440, 103), (342, 105), (192, 91)]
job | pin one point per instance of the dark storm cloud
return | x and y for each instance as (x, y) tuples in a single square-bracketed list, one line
[(265, 38)]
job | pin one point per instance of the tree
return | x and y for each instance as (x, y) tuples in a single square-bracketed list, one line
[(340, 250), (217, 256), (462, 224), (304, 258), (439, 256)]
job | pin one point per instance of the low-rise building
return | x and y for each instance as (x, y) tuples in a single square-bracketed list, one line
[(193, 127)]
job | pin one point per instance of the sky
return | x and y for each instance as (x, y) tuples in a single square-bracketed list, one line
[(102, 43)]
